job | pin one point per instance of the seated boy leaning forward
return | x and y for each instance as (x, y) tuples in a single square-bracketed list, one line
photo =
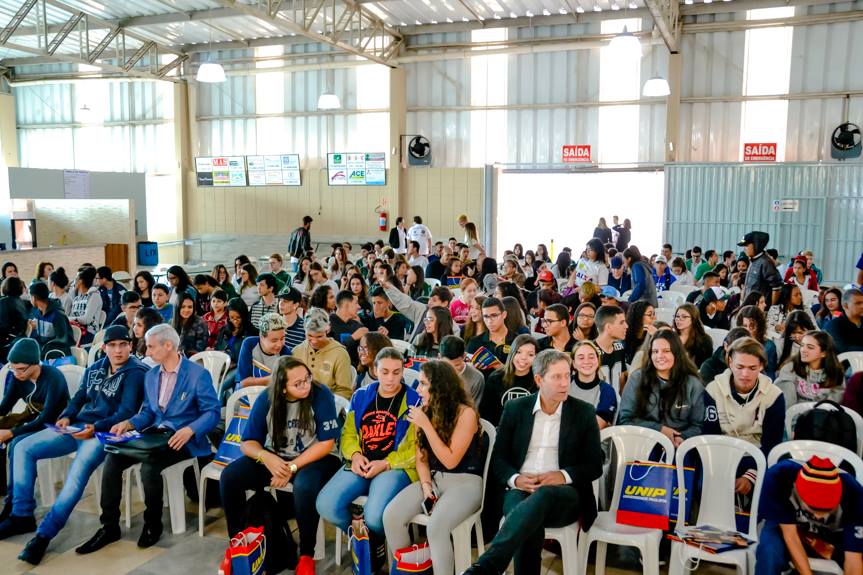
[(810, 510)]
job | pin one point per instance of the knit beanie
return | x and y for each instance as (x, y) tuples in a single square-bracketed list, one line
[(818, 484), (25, 350)]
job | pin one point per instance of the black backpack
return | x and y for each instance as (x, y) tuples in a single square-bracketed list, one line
[(263, 511), (828, 425)]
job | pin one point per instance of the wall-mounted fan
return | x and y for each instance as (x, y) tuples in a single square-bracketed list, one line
[(419, 151), (846, 141)]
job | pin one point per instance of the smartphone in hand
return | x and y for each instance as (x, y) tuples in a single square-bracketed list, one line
[(428, 504)]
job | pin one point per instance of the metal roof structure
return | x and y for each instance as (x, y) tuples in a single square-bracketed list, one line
[(154, 38)]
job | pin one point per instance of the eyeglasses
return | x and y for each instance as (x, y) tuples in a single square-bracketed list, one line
[(682, 317), (491, 316), (650, 314), (301, 382), (545, 321), (585, 316), (428, 319), (362, 348), (20, 369)]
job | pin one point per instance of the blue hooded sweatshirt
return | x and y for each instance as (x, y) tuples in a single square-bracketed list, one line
[(104, 398)]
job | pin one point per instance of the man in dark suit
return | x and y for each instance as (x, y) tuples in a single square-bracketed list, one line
[(547, 453)]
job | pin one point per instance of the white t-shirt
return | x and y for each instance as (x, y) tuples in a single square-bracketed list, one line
[(420, 261), (422, 235), (592, 271)]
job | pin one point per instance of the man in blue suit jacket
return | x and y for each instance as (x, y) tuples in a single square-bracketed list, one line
[(180, 400)]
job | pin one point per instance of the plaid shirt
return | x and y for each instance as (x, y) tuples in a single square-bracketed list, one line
[(214, 326)]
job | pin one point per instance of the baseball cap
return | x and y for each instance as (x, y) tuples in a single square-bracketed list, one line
[(716, 293), (290, 293), (616, 262), (608, 291), (545, 276), (661, 259), (117, 333), (747, 239), (818, 484), (802, 260)]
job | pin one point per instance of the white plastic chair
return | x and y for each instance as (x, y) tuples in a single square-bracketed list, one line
[(410, 377), (216, 362), (76, 333), (717, 335), (4, 372), (670, 299), (73, 375), (403, 346), (213, 470), (81, 356), (353, 375), (798, 408), (172, 478), (432, 283), (342, 405), (720, 456), (684, 289), (855, 358), (632, 443), (802, 450), (461, 534)]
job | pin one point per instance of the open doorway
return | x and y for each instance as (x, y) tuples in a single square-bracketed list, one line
[(534, 208)]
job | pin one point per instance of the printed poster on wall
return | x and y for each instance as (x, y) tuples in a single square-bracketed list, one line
[(76, 184), (357, 169), (221, 171), (274, 170)]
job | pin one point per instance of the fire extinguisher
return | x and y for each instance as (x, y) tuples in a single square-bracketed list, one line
[(382, 220)]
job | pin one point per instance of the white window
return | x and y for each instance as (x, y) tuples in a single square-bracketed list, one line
[(270, 99), (767, 71), (488, 87), (619, 79)]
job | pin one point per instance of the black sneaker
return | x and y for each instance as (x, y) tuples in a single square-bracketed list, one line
[(149, 536), (15, 525), (35, 550), (7, 509), (104, 536)]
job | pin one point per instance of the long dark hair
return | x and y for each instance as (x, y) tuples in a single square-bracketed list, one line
[(150, 316), (183, 281), (564, 260), (509, 367), (835, 375), (698, 336), (178, 322), (784, 301), (510, 289), (375, 342), (363, 296), (753, 313), (253, 276), (598, 248), (320, 296), (446, 397), (391, 276), (796, 319), (594, 331), (675, 391), (823, 312), (752, 298), (148, 278), (635, 324), (217, 271), (300, 276), (238, 305), (443, 328), (279, 402), (416, 290)]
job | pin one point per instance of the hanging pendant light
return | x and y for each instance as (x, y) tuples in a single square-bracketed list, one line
[(626, 43), (211, 73), (328, 101), (656, 87)]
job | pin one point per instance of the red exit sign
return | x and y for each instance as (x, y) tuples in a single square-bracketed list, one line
[(577, 153), (765, 152)]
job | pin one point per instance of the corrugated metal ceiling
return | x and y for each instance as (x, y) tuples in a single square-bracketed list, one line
[(393, 12)]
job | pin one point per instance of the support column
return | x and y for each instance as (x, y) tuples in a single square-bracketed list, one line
[(672, 109), (183, 149), (8, 159), (398, 126)]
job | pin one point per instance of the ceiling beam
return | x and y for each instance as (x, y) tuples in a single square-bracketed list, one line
[(666, 16), (365, 35)]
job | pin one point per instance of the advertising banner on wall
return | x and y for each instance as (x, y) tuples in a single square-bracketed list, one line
[(274, 170), (221, 171), (357, 169)]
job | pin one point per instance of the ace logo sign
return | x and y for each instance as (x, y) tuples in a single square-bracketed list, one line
[(577, 153), (759, 152)]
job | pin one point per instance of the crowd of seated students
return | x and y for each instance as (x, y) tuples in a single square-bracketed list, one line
[(575, 345)]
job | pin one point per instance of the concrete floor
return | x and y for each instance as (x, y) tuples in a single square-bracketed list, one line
[(189, 554)]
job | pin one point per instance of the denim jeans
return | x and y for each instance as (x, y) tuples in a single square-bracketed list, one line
[(47, 444), (335, 498), (10, 450)]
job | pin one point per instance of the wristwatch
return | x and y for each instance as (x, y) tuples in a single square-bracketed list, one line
[(293, 467)]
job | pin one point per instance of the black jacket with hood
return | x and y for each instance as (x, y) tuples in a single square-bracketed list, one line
[(762, 275)]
